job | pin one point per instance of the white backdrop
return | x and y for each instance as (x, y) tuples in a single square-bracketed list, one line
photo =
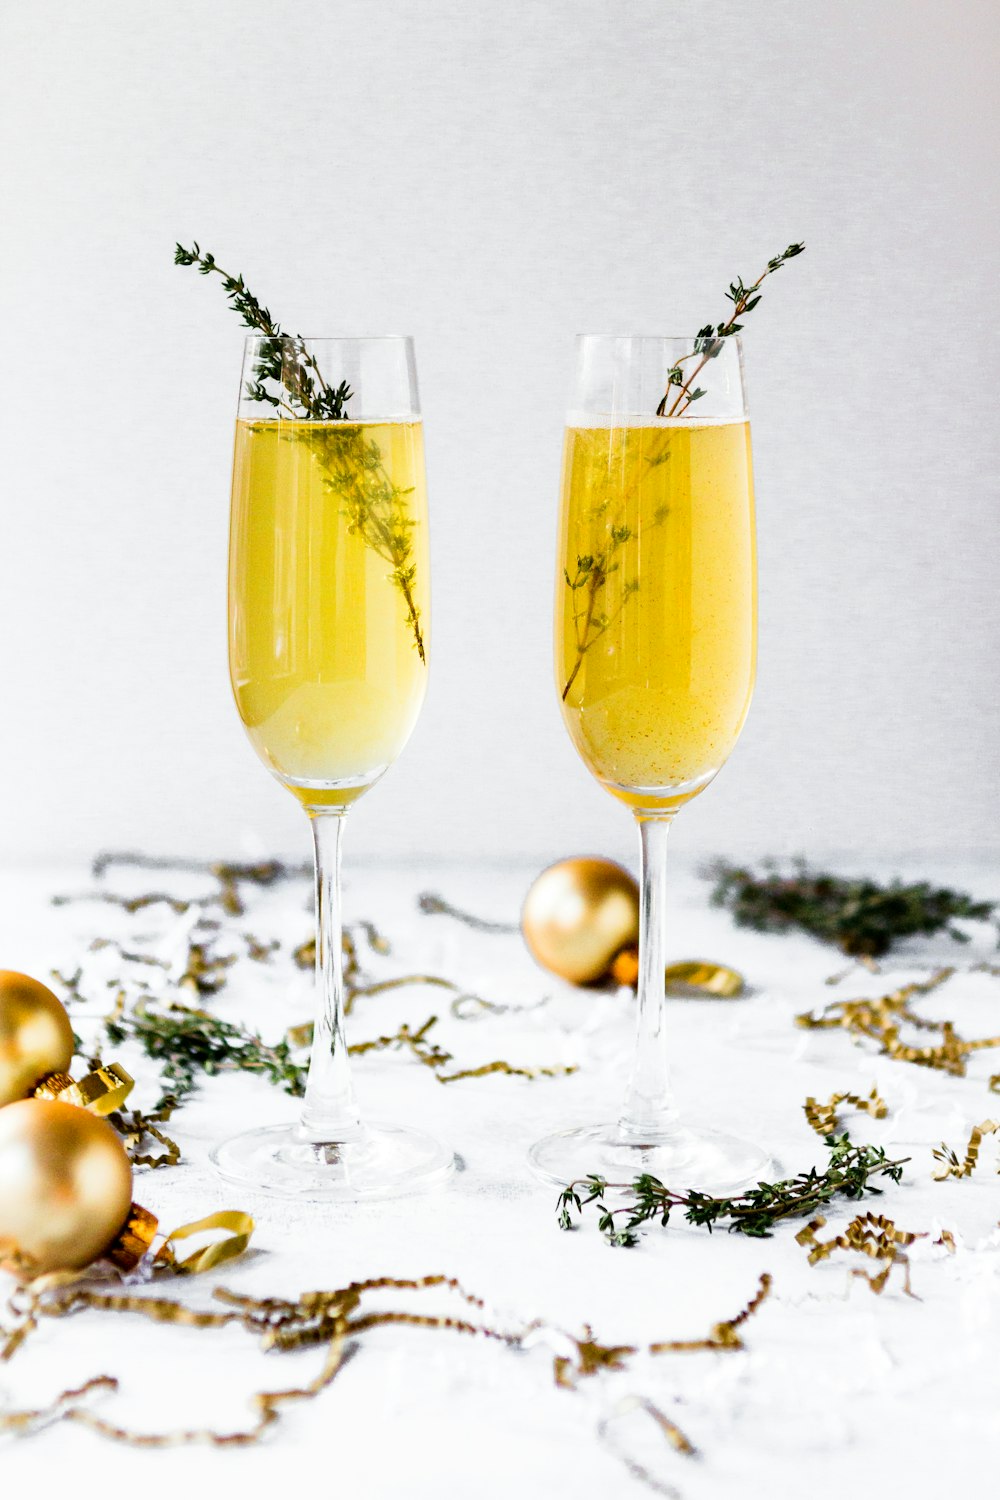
[(494, 179)]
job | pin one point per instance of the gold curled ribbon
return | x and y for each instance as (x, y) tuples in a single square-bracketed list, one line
[(881, 1020), (872, 1235), (950, 1164), (696, 978), (592, 1356), (102, 1091), (699, 977), (823, 1117), (134, 1127), (331, 1319), (240, 1227)]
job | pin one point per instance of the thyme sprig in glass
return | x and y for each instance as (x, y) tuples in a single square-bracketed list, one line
[(619, 524), (681, 392), (851, 1172), (287, 377), (593, 569), (283, 360)]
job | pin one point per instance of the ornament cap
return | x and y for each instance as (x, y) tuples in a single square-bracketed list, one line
[(102, 1091), (133, 1239)]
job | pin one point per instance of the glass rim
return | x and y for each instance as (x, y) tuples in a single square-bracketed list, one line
[(654, 338), (331, 338)]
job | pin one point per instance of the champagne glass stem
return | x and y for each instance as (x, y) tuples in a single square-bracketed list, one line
[(329, 1113), (649, 1114)]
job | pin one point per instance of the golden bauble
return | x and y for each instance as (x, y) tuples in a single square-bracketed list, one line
[(65, 1186), (578, 915), (36, 1038)]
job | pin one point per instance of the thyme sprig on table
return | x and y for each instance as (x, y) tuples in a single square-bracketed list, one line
[(189, 1044), (861, 916), (287, 376), (710, 340), (850, 1172)]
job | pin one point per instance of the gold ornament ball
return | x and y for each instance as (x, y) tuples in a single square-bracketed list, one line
[(36, 1038), (578, 915), (65, 1185)]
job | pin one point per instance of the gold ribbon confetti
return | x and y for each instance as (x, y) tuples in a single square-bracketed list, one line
[(134, 1127), (592, 1356), (880, 1020), (699, 977), (950, 1164), (823, 1117), (872, 1235), (238, 1226), (103, 1090), (326, 1318), (677, 1439), (428, 1052)]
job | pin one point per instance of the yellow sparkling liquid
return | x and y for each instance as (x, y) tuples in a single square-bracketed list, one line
[(327, 663), (656, 611)]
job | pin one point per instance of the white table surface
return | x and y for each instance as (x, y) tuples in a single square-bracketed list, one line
[(836, 1388)]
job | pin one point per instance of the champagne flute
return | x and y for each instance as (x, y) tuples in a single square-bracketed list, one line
[(655, 628), (328, 644)]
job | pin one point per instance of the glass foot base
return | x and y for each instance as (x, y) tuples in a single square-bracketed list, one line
[(708, 1160), (386, 1161)]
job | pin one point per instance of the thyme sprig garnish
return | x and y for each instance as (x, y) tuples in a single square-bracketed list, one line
[(287, 377), (616, 524), (587, 583), (593, 569), (681, 392), (283, 360), (860, 915), (850, 1172)]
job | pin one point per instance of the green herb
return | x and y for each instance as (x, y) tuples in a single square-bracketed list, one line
[(850, 1173), (188, 1042), (593, 569), (710, 340), (860, 916), (282, 360), (286, 376), (592, 617)]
